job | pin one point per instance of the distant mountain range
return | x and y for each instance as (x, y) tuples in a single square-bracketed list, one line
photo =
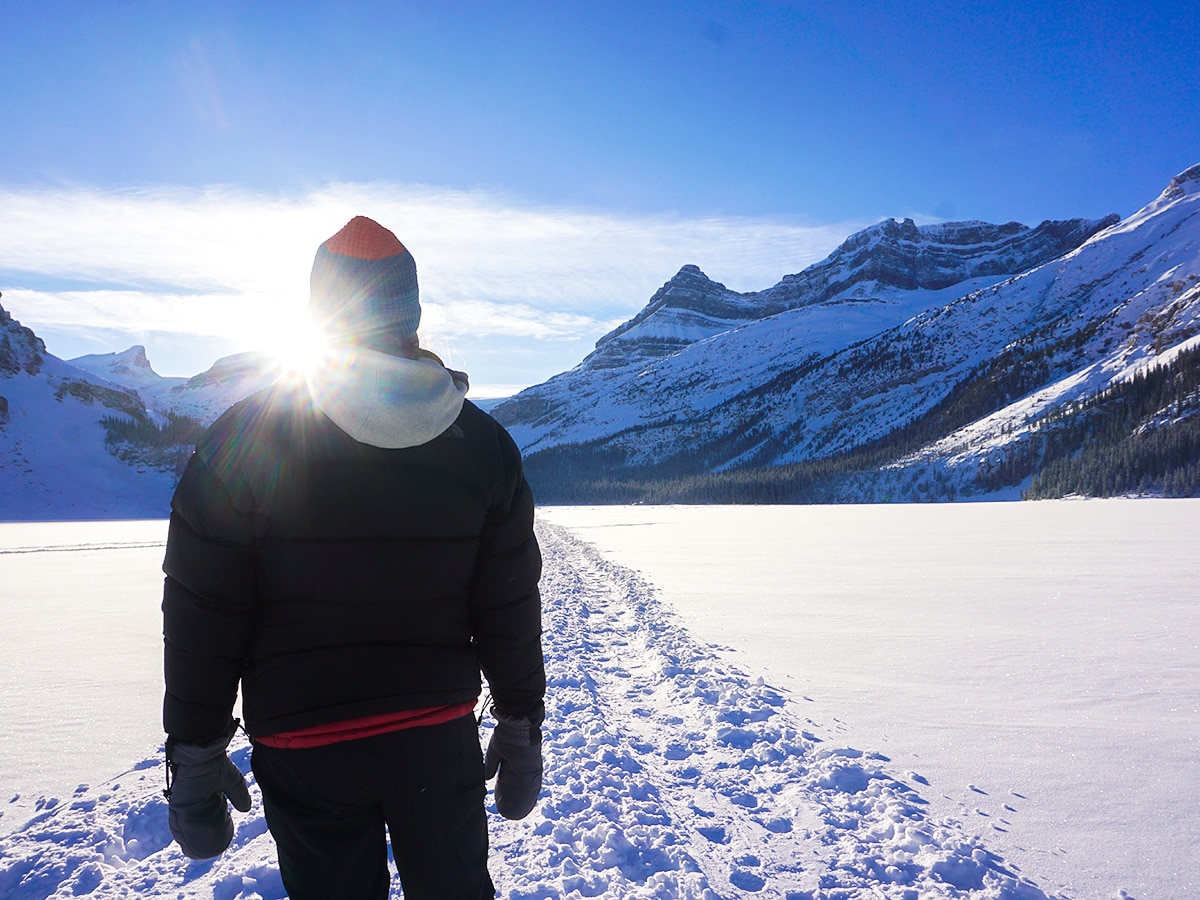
[(202, 397), (103, 436), (914, 363), (932, 362)]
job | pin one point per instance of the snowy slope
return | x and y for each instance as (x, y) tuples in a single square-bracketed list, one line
[(670, 774), (1114, 308), (57, 460), (130, 368), (53, 461)]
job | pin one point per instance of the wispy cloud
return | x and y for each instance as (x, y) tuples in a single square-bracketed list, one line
[(205, 315), (221, 262)]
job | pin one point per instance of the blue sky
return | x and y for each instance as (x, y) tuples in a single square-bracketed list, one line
[(549, 164)]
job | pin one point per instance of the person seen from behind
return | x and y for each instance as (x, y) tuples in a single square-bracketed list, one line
[(353, 548)]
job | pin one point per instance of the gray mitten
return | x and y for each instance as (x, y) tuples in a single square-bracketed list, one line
[(201, 777), (515, 750)]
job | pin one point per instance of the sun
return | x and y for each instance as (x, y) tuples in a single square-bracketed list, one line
[(297, 348)]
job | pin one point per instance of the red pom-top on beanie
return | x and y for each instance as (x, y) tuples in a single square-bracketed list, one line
[(364, 281)]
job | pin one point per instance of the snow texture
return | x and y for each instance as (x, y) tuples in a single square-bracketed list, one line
[(669, 774), (1034, 663)]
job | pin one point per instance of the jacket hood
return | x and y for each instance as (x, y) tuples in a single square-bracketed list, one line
[(386, 401)]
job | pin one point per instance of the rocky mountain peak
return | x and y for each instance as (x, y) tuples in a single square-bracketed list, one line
[(20, 348), (917, 339), (129, 367), (1186, 182), (887, 230), (689, 291), (136, 356), (902, 255), (133, 360), (685, 287), (689, 288), (953, 234)]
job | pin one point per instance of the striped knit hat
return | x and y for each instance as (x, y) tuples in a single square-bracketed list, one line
[(364, 281)]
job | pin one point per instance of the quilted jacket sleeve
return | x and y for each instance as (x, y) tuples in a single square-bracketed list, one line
[(208, 604), (505, 603)]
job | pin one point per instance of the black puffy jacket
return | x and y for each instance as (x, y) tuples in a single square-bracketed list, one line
[(335, 579)]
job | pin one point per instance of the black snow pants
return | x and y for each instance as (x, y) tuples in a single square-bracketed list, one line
[(327, 808)]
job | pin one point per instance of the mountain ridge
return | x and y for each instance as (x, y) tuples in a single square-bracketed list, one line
[(838, 376), (890, 253), (840, 300)]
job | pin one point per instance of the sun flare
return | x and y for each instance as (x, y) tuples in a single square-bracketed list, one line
[(299, 348)]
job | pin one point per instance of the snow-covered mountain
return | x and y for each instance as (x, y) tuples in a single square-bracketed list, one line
[(929, 356), (889, 257), (130, 368), (203, 397), (698, 340), (102, 436), (53, 459)]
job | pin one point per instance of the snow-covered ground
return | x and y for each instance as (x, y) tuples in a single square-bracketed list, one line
[(995, 700), (1037, 663)]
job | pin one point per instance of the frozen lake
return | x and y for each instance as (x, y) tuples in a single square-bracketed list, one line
[(1039, 663), (80, 651), (1036, 664)]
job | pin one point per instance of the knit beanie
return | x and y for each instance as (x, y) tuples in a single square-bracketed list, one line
[(364, 281)]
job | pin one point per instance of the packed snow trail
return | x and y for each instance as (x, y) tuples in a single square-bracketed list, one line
[(669, 774)]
